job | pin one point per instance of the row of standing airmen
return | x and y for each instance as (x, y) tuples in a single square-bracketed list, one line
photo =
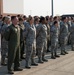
[(38, 34)]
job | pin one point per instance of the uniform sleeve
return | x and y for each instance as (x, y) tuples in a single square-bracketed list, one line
[(23, 27), (25, 33), (71, 29), (38, 30), (7, 34), (52, 29), (52, 32), (2, 31), (48, 29), (61, 28)]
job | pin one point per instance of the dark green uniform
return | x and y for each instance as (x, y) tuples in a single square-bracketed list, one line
[(12, 35), (21, 40)]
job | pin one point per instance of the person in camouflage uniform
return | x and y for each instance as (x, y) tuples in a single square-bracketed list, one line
[(63, 35), (30, 37), (12, 35), (0, 23), (21, 25), (48, 33), (41, 40), (4, 43), (50, 21), (72, 35), (54, 40), (36, 23), (69, 22)]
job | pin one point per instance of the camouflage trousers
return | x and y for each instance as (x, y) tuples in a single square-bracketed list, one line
[(63, 43), (72, 43), (54, 46), (21, 49), (30, 54), (4, 50), (41, 48)]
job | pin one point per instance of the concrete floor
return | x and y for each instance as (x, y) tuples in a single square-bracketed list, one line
[(60, 66)]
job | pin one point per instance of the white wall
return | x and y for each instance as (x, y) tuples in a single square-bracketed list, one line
[(63, 7), (37, 7), (13, 6), (43, 7)]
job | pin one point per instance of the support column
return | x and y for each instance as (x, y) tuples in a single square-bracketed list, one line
[(1, 7), (52, 8)]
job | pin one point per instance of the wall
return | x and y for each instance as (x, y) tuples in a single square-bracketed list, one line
[(1, 7), (13, 6)]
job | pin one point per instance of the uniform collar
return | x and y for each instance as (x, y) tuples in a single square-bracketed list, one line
[(16, 26)]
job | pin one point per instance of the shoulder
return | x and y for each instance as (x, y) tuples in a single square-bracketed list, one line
[(39, 26), (72, 25), (53, 28), (62, 24), (11, 26)]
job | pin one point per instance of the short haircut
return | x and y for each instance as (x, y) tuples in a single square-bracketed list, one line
[(47, 18), (29, 19), (3, 18), (13, 17), (63, 18), (18, 15), (36, 19), (55, 18), (55, 22), (20, 19), (24, 16), (42, 19)]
